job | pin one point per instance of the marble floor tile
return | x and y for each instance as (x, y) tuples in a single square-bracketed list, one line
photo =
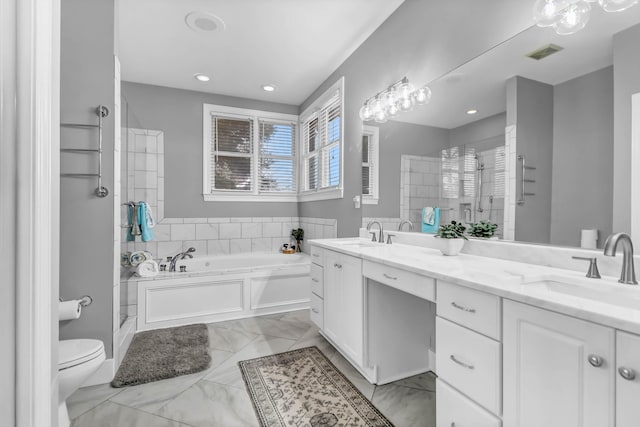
[(365, 387), (88, 398), (109, 414), (425, 381), (270, 326), (226, 339), (228, 372), (313, 338), (152, 396), (406, 407), (298, 316), (208, 404)]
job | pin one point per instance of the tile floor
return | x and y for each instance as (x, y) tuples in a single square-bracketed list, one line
[(217, 396)]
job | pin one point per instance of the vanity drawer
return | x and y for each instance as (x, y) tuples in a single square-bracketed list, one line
[(317, 310), (316, 280), (317, 255), (474, 309), (470, 362), (411, 283), (454, 409)]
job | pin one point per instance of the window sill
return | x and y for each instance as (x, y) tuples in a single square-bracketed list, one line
[(336, 193), (250, 198), (369, 201)]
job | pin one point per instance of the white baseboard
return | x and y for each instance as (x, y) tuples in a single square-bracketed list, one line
[(103, 375)]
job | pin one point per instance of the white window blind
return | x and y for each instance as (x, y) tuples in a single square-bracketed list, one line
[(277, 161), (370, 167), (450, 173), (231, 153), (322, 145)]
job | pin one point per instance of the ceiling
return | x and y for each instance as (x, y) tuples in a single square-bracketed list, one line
[(480, 83), (292, 44)]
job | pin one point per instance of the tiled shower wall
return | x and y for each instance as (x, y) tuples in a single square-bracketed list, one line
[(144, 169)]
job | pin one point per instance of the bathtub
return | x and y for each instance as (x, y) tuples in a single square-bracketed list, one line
[(226, 287)]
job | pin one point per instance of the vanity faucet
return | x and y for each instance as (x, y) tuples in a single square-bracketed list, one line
[(181, 255), (628, 274), (403, 222), (373, 234)]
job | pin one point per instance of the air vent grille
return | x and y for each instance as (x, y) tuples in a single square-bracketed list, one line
[(544, 51)]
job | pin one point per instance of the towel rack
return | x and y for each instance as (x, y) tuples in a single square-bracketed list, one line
[(524, 180), (102, 111)]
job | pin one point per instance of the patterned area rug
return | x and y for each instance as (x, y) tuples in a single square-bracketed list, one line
[(302, 388), (164, 353)]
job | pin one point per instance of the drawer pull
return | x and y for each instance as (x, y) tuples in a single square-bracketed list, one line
[(626, 373), (315, 310), (390, 277), (315, 280), (336, 265), (459, 307), (464, 365)]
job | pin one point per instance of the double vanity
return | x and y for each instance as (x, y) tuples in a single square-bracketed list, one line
[(513, 344)]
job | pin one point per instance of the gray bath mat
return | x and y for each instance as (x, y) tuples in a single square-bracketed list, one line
[(301, 387), (164, 353)]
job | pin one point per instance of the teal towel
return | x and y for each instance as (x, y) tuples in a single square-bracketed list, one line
[(130, 236), (147, 233), (431, 224)]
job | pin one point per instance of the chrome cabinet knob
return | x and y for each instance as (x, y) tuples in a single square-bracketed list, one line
[(626, 373), (595, 361)]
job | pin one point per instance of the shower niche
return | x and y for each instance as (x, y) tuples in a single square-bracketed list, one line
[(467, 182)]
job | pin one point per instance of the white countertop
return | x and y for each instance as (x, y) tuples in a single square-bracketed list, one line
[(508, 279)]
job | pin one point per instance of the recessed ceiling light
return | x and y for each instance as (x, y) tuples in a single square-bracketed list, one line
[(471, 112), (204, 22), (268, 88), (201, 77)]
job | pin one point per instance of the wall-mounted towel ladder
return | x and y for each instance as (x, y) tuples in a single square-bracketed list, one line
[(524, 180), (102, 112)]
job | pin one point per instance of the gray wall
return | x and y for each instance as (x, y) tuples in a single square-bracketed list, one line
[(533, 117), (178, 113), (626, 74), (480, 130), (582, 157), (396, 139), (405, 44), (86, 221)]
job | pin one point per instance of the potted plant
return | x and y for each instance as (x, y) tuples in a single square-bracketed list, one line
[(451, 238), (298, 234), (483, 229)]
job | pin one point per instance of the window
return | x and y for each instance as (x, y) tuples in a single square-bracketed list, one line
[(370, 145), (322, 143), (249, 155)]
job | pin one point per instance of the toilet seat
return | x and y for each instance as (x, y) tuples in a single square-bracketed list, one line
[(75, 352)]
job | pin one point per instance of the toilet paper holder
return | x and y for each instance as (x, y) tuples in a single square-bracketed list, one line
[(85, 301)]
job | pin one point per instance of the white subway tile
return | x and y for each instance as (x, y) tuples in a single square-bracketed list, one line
[(173, 221), (199, 245), (162, 233), (195, 220), (230, 231), (251, 230), (160, 186), (183, 232), (160, 164), (152, 144), (166, 249), (271, 229), (262, 219), (218, 247), (261, 245), (238, 246), (206, 231), (240, 219), (217, 220)]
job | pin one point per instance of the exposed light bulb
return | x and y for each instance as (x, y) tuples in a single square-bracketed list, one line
[(393, 110), (547, 13), (380, 116), (575, 18), (405, 104), (422, 95), (389, 98), (616, 5), (366, 113)]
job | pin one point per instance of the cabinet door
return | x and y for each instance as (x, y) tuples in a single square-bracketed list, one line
[(343, 303), (627, 380), (558, 370)]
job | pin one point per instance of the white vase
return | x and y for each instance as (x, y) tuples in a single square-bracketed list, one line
[(450, 247)]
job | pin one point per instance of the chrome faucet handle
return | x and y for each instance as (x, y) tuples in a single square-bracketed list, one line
[(593, 272), (389, 235), (373, 236)]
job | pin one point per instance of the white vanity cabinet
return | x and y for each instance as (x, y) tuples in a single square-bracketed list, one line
[(559, 371), (317, 286), (343, 304), (627, 379)]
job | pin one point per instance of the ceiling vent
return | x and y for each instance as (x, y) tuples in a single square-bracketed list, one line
[(544, 51)]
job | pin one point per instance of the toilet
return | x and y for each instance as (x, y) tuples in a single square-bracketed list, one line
[(77, 361)]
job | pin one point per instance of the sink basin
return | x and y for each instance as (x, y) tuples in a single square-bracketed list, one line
[(360, 244), (593, 289)]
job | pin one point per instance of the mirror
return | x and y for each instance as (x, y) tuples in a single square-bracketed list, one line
[(558, 119)]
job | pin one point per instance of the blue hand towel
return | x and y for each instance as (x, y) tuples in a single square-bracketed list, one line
[(147, 234), (430, 220), (130, 236)]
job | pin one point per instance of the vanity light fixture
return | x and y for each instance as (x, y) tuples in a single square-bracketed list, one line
[(400, 96), (268, 88), (201, 77), (570, 16)]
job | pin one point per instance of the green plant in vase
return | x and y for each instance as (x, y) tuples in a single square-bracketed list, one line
[(483, 229), (298, 235), (451, 238)]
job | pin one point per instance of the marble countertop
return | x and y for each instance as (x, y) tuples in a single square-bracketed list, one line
[(603, 301)]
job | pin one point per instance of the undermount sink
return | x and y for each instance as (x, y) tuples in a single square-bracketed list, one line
[(359, 243), (592, 289)]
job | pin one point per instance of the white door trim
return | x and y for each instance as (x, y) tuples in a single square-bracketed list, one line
[(37, 64)]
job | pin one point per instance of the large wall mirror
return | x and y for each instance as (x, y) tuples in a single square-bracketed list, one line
[(540, 146)]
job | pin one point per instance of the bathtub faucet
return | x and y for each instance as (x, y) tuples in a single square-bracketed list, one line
[(181, 255)]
